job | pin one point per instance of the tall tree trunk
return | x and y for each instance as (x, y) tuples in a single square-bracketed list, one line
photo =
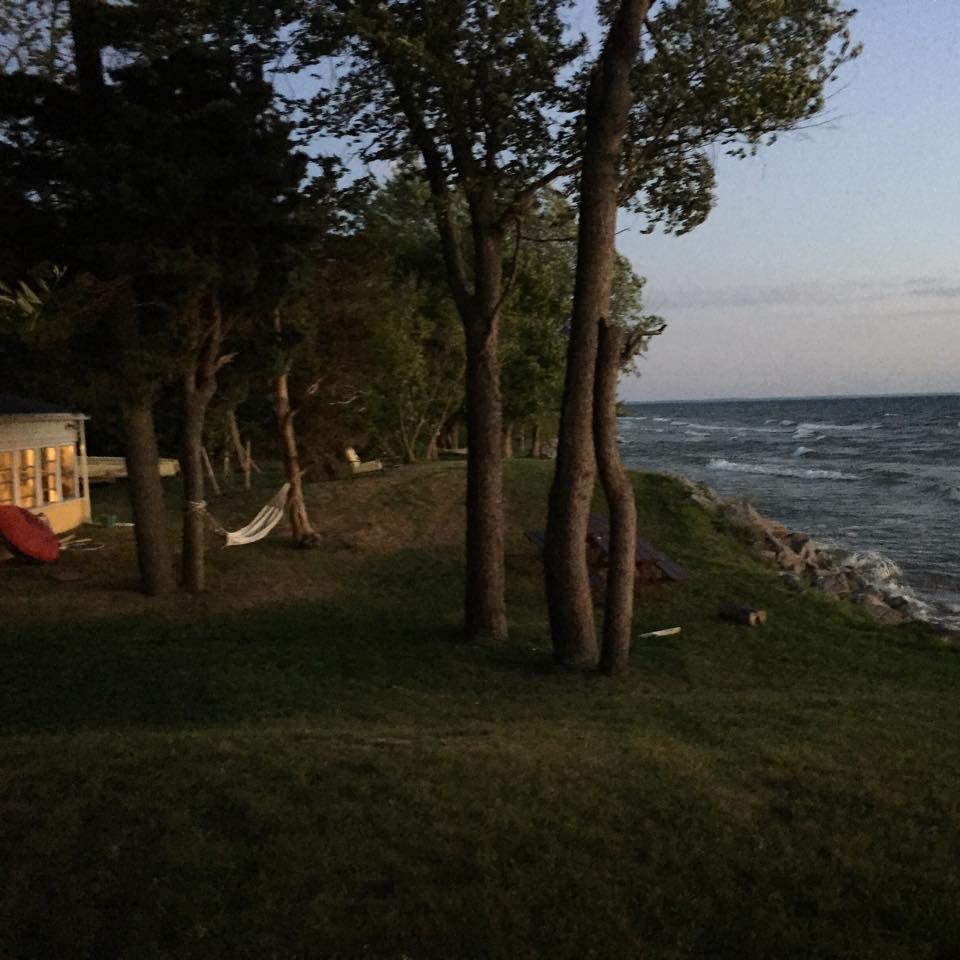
[(145, 488), (485, 612), (146, 500), (300, 526), (609, 98), (199, 386), (485, 607), (621, 570), (485, 602), (191, 469), (87, 48)]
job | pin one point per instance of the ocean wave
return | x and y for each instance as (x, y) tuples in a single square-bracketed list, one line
[(777, 471), (807, 431), (885, 576), (874, 567), (699, 427), (815, 425), (802, 451), (694, 436)]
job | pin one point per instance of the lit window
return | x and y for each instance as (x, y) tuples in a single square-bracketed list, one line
[(6, 476), (48, 462), (68, 472), (28, 478)]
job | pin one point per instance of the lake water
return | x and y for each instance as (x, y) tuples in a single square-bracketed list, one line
[(878, 476)]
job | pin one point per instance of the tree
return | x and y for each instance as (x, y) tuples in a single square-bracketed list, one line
[(475, 91), (622, 337), (711, 72), (169, 191), (323, 352)]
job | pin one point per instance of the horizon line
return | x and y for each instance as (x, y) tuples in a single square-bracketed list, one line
[(808, 396)]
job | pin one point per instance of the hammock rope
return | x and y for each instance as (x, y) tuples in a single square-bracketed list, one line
[(259, 527)]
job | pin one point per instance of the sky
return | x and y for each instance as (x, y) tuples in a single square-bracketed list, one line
[(831, 263)]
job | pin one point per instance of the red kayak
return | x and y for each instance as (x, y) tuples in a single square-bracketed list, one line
[(28, 535)]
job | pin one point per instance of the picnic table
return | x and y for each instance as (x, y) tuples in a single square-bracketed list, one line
[(653, 565)]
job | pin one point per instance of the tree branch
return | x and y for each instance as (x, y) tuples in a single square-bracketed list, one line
[(523, 198), (440, 194)]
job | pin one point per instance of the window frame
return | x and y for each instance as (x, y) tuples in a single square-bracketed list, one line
[(39, 476)]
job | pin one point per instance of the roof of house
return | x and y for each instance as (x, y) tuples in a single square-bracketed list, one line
[(11, 406)]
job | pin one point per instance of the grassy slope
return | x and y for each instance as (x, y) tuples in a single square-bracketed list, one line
[(307, 763)]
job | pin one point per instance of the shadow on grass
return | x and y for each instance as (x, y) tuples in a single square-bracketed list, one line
[(392, 635)]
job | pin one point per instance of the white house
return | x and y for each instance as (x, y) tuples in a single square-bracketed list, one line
[(43, 461)]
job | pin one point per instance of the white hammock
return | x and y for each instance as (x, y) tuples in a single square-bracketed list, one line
[(259, 526)]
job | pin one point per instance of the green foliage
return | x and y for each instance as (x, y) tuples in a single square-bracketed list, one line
[(537, 312), (500, 92), (22, 305), (483, 81), (723, 73), (418, 382), (178, 184)]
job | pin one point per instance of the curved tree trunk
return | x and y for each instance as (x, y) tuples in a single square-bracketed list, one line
[(608, 103), (621, 570), (146, 500), (300, 526)]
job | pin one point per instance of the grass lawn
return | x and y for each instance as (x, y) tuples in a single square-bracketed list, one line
[(306, 762)]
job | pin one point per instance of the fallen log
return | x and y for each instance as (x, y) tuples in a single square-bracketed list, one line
[(748, 616)]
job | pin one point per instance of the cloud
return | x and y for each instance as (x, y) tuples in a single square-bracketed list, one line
[(803, 293), (942, 290)]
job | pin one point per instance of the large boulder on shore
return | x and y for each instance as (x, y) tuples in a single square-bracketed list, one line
[(877, 608), (802, 560)]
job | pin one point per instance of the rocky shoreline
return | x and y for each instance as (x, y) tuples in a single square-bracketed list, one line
[(805, 563)]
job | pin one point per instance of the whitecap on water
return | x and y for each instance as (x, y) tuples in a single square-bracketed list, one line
[(805, 430), (773, 470), (802, 451), (885, 576)]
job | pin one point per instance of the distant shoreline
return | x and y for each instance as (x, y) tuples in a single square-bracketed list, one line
[(774, 399)]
